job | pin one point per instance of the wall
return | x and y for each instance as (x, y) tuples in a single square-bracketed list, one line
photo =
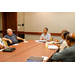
[(55, 21), (20, 21), (1, 23)]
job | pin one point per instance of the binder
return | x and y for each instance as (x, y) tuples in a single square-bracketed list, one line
[(33, 61), (34, 58)]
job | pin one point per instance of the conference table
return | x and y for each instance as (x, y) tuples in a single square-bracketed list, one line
[(24, 50)]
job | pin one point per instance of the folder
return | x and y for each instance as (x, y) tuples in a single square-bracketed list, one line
[(32, 61), (34, 58), (42, 41)]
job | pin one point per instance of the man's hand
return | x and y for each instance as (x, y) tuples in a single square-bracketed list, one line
[(10, 41), (55, 40), (2, 47), (42, 38), (24, 40)]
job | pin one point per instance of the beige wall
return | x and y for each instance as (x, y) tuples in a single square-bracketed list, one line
[(20, 21), (1, 35), (55, 21)]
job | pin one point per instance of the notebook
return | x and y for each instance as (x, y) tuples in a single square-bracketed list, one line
[(33, 61), (36, 58), (42, 41)]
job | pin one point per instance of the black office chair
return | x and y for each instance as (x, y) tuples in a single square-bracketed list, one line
[(22, 36)]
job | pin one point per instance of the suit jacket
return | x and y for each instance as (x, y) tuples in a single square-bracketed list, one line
[(66, 55)]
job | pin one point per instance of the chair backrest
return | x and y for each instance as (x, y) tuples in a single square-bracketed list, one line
[(5, 42), (51, 39)]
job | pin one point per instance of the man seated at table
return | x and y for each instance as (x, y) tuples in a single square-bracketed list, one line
[(68, 54), (61, 41), (2, 45), (64, 44), (45, 35), (11, 38)]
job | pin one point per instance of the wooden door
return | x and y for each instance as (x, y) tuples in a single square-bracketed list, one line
[(9, 20)]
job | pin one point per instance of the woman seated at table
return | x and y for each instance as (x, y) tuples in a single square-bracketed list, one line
[(45, 35)]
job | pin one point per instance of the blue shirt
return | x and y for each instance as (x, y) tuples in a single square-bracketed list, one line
[(61, 41), (13, 38), (47, 36)]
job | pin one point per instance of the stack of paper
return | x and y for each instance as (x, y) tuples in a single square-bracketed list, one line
[(52, 42), (45, 58), (53, 47), (26, 41), (1, 49), (36, 40), (40, 41)]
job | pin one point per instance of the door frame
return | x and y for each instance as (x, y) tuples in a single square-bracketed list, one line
[(3, 22)]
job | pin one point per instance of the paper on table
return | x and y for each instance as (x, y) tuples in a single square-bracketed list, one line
[(40, 41), (45, 58), (1, 49), (36, 40), (15, 44), (52, 47), (26, 41), (50, 42)]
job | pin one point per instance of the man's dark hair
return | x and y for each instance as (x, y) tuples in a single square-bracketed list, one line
[(46, 28), (70, 38), (65, 33)]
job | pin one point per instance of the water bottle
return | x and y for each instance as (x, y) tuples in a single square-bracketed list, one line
[(46, 45)]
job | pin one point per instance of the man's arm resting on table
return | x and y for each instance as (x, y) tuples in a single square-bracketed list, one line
[(20, 38)]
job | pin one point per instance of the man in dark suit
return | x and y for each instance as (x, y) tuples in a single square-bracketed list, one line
[(68, 54)]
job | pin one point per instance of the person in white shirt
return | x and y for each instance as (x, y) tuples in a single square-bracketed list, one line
[(2, 45), (64, 44), (45, 35)]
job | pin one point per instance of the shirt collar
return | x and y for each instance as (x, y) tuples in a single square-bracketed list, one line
[(46, 34)]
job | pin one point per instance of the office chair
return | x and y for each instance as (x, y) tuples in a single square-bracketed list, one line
[(51, 39), (5, 42)]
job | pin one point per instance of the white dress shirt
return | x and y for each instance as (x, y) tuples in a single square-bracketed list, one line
[(63, 45), (1, 42), (47, 36)]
